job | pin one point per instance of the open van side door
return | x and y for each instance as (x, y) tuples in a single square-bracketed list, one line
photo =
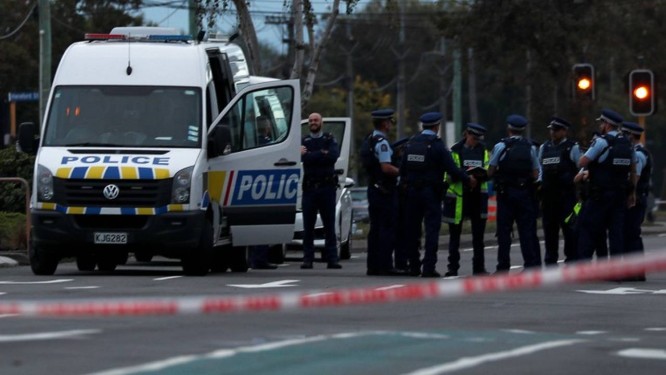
[(254, 163)]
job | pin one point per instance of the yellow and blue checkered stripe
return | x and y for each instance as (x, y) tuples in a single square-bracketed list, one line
[(112, 173)]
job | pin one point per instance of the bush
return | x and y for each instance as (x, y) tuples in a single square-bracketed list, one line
[(14, 164), (12, 231)]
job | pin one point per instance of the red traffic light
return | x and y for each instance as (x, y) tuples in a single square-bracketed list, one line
[(641, 92), (583, 75)]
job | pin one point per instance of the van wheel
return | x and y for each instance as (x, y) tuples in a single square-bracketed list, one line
[(86, 262), (238, 259), (198, 260), (42, 262)]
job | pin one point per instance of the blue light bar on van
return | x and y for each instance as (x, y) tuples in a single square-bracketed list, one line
[(168, 38)]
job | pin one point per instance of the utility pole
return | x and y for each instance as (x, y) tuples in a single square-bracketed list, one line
[(192, 16), (44, 56), (471, 82), (350, 95), (400, 94), (457, 91), (528, 96)]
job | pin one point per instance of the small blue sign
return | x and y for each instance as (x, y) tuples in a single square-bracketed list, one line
[(23, 96)]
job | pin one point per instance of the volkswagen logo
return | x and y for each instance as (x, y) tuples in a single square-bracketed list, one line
[(111, 191)]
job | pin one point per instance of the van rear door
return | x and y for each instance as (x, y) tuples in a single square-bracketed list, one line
[(254, 156)]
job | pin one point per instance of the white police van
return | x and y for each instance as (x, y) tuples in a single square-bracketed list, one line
[(155, 144)]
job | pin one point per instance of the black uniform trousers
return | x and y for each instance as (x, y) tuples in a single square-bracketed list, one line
[(556, 207), (517, 204), (424, 205), (319, 198), (471, 208), (633, 220), (382, 208), (601, 212)]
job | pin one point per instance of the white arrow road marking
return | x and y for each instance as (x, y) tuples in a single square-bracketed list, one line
[(48, 335), (590, 332), (272, 284), (81, 287), (167, 278), (620, 291), (643, 353), (35, 282), (390, 287), (468, 362), (318, 294)]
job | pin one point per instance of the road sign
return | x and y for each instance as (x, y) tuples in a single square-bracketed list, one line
[(29, 96)]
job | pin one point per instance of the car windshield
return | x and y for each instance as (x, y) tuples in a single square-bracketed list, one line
[(359, 194), (124, 116)]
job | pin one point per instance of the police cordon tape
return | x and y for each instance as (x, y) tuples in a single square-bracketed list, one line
[(614, 269)]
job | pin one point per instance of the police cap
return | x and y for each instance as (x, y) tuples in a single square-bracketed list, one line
[(384, 113), (430, 119), (557, 122), (476, 129), (632, 127), (516, 122), (611, 117)]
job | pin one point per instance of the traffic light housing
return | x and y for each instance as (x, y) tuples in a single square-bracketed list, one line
[(641, 92), (584, 85)]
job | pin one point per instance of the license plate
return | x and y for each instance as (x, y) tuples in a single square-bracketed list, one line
[(110, 238)]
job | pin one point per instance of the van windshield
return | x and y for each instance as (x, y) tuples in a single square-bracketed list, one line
[(125, 116)]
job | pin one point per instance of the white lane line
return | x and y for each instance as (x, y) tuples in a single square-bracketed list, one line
[(226, 353), (167, 278), (590, 333), (81, 287), (519, 331), (643, 353), (318, 294), (468, 362), (35, 282), (272, 284), (656, 329), (48, 335), (1, 293), (8, 315)]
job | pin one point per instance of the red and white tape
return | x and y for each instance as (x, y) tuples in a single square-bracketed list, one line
[(439, 289)]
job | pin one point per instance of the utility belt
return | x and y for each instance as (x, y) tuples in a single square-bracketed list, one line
[(502, 184), (314, 183), (439, 187)]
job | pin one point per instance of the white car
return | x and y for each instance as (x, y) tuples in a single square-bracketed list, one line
[(340, 127)]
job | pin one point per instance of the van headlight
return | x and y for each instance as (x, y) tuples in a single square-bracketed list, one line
[(182, 182), (44, 184)]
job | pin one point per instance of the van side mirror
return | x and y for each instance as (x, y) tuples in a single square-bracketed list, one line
[(219, 142), (27, 142)]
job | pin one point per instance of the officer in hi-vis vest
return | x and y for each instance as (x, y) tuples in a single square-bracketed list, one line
[(461, 201)]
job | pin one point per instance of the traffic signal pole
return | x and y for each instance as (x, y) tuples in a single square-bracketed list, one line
[(641, 122)]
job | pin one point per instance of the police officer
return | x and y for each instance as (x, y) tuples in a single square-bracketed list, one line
[(461, 201), (319, 151), (515, 168), (635, 215), (424, 163), (376, 156), (559, 165), (611, 164)]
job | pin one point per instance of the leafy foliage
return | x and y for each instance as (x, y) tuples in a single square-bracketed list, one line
[(14, 164)]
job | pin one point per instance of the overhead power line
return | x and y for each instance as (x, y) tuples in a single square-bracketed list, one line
[(17, 29)]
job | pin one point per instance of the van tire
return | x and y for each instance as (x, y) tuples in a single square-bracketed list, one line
[(277, 254), (42, 262), (198, 261), (107, 262)]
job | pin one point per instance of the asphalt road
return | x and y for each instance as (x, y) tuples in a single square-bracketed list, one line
[(594, 328)]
